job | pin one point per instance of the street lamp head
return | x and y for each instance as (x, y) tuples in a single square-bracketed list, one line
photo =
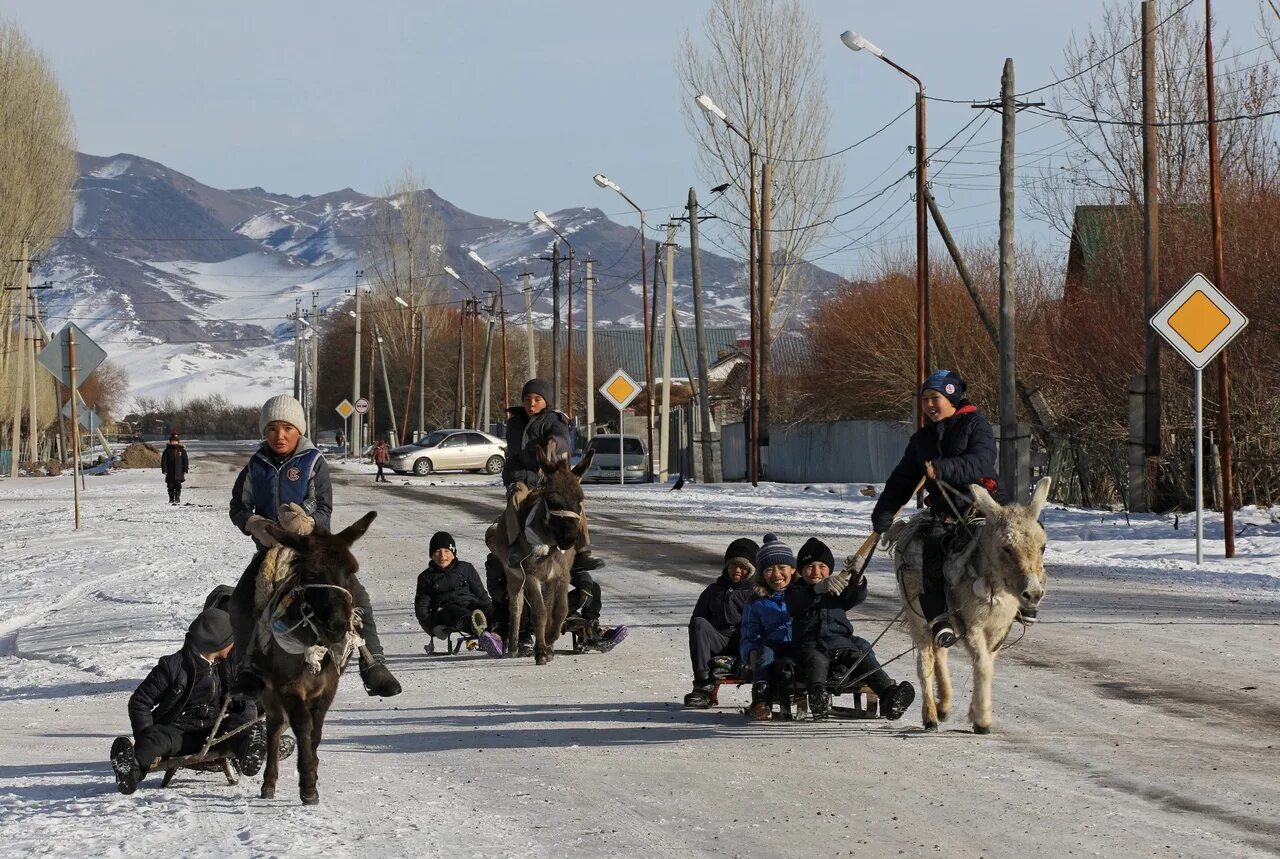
[(453, 274), (857, 42), (400, 301), (542, 217), (711, 108), (476, 257), (352, 314), (605, 182)]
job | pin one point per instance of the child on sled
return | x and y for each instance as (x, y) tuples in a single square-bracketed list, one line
[(451, 598), (174, 710), (766, 626), (716, 623)]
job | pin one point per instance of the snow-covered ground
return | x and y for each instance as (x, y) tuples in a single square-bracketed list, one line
[(1136, 719)]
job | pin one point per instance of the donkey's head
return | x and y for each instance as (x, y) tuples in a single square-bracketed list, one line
[(562, 493), (1013, 545), (325, 567)]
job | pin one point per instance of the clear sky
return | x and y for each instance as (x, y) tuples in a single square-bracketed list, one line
[(511, 106)]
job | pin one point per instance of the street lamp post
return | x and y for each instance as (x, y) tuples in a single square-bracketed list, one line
[(710, 108), (502, 315), (461, 411), (856, 42), (353, 440), (605, 182), (546, 222)]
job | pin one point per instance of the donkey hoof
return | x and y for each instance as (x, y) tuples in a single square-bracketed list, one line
[(931, 726), (311, 798), (982, 729), (268, 792), (541, 660), (942, 715)]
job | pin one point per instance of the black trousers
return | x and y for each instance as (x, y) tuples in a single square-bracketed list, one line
[(243, 620), (933, 597), (584, 596), (453, 619), (155, 742), (868, 667), (495, 577), (705, 642), (175, 490), (379, 475)]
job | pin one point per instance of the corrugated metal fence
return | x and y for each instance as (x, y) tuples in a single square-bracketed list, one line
[(819, 452)]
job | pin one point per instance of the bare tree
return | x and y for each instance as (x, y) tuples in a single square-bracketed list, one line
[(759, 59), (1103, 86)]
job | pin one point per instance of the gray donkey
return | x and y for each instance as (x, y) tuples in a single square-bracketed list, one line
[(550, 518), (994, 580)]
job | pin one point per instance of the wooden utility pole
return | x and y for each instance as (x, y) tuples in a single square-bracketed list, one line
[(700, 335), (764, 361), (568, 341), (502, 316), (422, 371), (555, 325), (1151, 243), (471, 333), (1219, 280), (486, 386), (413, 371), (29, 357), (652, 312), (1010, 471), (668, 274), (357, 423), (528, 322), (373, 386), (386, 383), (460, 408), (591, 352), (297, 349), (20, 363), (752, 425)]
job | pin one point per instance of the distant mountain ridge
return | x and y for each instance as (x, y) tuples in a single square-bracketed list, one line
[(189, 286)]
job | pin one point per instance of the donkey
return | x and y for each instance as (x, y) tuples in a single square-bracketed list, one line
[(993, 581), (550, 519), (311, 630)]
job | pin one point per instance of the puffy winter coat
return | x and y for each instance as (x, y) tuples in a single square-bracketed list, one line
[(765, 620), (823, 618), (166, 691), (722, 602), (268, 481), (961, 447), (525, 435), (456, 588), (173, 463)]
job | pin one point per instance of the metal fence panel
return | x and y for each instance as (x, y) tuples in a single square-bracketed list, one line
[(821, 452)]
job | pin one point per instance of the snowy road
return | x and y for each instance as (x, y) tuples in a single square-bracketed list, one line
[(1136, 719)]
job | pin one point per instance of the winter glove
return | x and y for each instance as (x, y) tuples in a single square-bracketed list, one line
[(295, 520), (833, 584), (256, 526)]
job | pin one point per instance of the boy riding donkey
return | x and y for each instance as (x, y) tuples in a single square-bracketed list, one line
[(530, 426)]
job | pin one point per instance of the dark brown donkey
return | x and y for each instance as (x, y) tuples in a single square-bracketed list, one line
[(552, 514), (313, 632)]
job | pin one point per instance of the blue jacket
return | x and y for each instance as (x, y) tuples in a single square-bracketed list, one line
[(962, 447), (765, 620), (268, 481)]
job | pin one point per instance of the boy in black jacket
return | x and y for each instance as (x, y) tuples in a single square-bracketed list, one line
[(174, 465), (174, 709), (824, 637), (451, 598), (716, 623), (955, 446)]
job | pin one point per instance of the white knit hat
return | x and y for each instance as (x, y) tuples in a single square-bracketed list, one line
[(282, 407)]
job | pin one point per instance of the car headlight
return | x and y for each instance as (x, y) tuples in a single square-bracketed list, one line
[(635, 468)]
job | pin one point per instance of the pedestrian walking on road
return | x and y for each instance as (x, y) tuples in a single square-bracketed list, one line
[(381, 456), (174, 465)]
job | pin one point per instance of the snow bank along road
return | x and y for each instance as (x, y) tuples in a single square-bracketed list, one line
[(1137, 719)]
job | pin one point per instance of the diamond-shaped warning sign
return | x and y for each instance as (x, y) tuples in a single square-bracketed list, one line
[(345, 409), (620, 389), (1199, 321)]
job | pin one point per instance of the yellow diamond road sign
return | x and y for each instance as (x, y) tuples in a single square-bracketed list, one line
[(1199, 321), (346, 409), (620, 389)]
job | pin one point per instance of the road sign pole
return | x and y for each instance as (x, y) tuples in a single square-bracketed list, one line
[(622, 456), (1199, 404), (75, 424)]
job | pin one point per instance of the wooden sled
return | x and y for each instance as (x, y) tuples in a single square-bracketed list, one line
[(206, 760)]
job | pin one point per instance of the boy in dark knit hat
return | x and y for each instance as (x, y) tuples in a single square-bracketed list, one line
[(955, 446), (824, 637), (716, 624), (451, 597), (174, 466), (174, 709), (286, 477), (766, 626)]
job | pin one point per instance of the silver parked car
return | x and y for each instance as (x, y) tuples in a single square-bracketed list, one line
[(450, 450), (604, 467)]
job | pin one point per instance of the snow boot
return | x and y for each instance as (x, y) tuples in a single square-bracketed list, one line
[(895, 700), (490, 643), (607, 638), (254, 752), (584, 561), (819, 703), (761, 709), (379, 682), (700, 697), (479, 623), (287, 746), (722, 666), (125, 765)]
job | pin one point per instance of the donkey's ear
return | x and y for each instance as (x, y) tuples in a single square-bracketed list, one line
[(356, 530), (1039, 496), (584, 463), (983, 500), (547, 455), (288, 539)]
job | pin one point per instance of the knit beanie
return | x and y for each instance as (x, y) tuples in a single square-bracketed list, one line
[(541, 387), (442, 540), (815, 550), (282, 407), (743, 551), (210, 631), (173, 436), (774, 551), (946, 382)]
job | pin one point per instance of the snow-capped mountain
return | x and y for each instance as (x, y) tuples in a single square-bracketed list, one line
[(189, 287)]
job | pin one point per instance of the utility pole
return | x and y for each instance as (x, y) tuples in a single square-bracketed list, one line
[(555, 325), (373, 384), (752, 426), (386, 384), (471, 333), (314, 356), (700, 336), (1014, 478), (502, 315), (568, 347), (591, 353), (653, 330), (486, 388), (297, 349), (354, 438), (33, 417), (764, 361), (668, 276), (15, 445), (422, 371), (1151, 248), (413, 370), (1219, 280), (460, 407), (528, 322)]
